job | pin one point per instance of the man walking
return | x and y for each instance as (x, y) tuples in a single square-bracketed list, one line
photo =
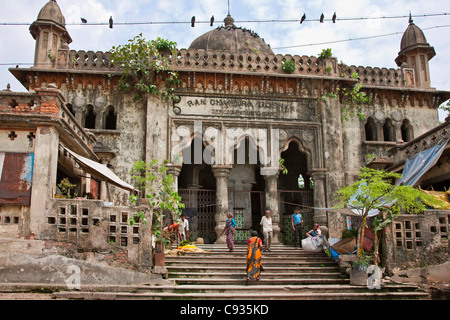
[(267, 231), (297, 221)]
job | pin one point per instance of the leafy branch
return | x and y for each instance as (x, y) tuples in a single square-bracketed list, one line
[(146, 67), (445, 107), (288, 66), (158, 185), (351, 98), (325, 54)]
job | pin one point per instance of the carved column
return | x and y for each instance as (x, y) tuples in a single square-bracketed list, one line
[(318, 177), (272, 202), (174, 170), (221, 173)]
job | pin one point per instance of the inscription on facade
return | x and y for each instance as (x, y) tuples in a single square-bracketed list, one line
[(248, 108)]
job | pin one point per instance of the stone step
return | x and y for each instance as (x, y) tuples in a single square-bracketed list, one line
[(243, 257), (288, 274), (265, 275), (242, 263), (253, 295), (232, 289), (264, 281), (280, 250), (224, 269), (265, 255)]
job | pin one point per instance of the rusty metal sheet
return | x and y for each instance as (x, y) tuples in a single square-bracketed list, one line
[(16, 176)]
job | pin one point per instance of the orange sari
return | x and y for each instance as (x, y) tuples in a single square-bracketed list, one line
[(253, 258)]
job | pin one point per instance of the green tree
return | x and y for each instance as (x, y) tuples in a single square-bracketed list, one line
[(145, 67), (158, 185), (375, 190)]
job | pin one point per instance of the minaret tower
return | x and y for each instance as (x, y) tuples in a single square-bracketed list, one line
[(415, 52), (52, 38)]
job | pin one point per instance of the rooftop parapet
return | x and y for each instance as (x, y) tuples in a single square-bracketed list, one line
[(234, 62)]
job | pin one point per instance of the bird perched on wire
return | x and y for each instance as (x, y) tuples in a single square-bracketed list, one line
[(83, 20), (303, 18), (334, 18), (321, 18), (111, 22), (193, 21), (211, 21)]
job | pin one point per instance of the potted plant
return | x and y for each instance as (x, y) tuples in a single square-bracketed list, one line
[(66, 186), (358, 274)]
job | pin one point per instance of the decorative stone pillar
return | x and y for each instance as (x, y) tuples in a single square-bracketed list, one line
[(221, 173), (318, 177), (174, 170), (272, 202), (104, 191), (247, 185)]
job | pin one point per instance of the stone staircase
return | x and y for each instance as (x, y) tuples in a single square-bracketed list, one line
[(288, 275)]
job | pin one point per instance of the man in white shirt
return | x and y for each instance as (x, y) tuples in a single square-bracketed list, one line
[(184, 227), (266, 229)]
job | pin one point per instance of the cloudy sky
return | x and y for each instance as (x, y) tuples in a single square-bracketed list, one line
[(17, 44)]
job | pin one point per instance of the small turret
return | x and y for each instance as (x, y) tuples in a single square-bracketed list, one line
[(415, 52), (52, 38)]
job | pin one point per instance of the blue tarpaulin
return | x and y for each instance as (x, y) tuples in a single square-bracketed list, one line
[(419, 164), (415, 168)]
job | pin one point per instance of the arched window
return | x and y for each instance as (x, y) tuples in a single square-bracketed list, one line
[(388, 130), (110, 119), (407, 132), (89, 117), (371, 130)]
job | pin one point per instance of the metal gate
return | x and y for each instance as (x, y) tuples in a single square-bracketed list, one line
[(200, 207), (248, 207), (288, 200)]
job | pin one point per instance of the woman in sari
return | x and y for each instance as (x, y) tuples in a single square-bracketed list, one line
[(254, 256), (230, 228)]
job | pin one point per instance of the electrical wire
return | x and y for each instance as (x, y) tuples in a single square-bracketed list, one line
[(355, 39), (287, 47), (237, 21), (294, 46)]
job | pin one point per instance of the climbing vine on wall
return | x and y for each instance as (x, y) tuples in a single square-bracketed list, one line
[(352, 99), (146, 67)]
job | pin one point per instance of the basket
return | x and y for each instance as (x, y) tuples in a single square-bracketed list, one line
[(345, 246)]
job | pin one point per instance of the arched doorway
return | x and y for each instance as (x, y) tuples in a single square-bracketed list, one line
[(197, 188), (295, 189), (246, 188)]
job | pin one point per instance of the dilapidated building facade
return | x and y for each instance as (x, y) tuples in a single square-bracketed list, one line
[(237, 114)]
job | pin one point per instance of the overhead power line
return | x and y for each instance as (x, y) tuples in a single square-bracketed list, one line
[(17, 64), (303, 19), (355, 39)]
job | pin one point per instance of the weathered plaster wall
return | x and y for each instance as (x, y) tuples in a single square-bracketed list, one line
[(44, 175), (12, 220), (127, 142)]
